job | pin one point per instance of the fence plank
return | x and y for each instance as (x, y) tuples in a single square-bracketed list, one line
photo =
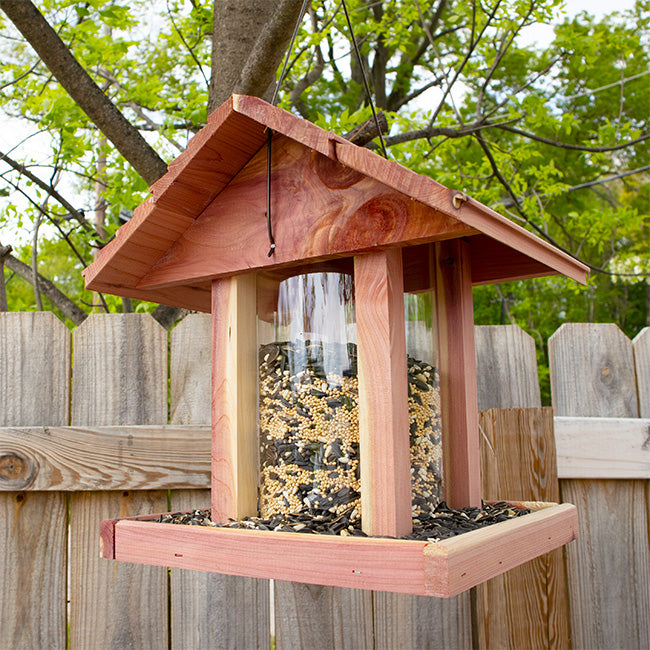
[(119, 377), (208, 610), (592, 371), (313, 616), (641, 346), (516, 446), (506, 364), (34, 390), (519, 464), (419, 622), (592, 374)]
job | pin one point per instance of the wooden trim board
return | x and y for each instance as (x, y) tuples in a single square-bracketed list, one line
[(134, 457), (441, 569), (602, 447)]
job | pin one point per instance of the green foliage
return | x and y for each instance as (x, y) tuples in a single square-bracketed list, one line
[(530, 132)]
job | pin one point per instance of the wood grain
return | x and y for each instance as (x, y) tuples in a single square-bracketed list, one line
[(207, 609), (609, 575), (506, 364), (641, 346), (104, 458), (475, 557), (119, 377), (526, 607), (592, 371), (406, 621), (383, 394), (592, 374), (603, 447), (459, 406), (321, 210), (517, 458), (235, 465), (212, 162), (34, 390), (314, 616), (440, 569)]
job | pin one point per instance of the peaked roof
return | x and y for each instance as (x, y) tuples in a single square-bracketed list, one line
[(235, 132)]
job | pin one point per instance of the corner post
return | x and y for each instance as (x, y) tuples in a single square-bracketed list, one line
[(457, 361), (234, 398), (383, 394)]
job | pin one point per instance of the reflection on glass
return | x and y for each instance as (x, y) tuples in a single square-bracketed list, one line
[(424, 405), (309, 424), (309, 404)]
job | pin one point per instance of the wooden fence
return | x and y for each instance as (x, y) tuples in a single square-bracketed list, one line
[(91, 438)]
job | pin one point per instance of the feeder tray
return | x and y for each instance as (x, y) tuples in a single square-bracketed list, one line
[(202, 242)]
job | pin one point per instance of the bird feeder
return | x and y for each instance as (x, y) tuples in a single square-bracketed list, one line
[(263, 212)]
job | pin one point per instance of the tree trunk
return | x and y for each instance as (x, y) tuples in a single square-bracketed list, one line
[(249, 41)]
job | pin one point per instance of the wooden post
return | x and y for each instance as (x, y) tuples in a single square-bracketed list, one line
[(383, 394), (455, 317), (234, 398)]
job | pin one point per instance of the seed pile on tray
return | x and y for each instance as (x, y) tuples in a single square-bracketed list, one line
[(442, 523), (309, 431)]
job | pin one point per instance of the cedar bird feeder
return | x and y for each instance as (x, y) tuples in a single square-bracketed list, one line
[(260, 221)]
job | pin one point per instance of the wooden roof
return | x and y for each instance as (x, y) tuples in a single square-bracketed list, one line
[(331, 199)]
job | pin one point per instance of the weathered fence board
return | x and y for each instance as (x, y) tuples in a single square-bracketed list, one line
[(602, 447), (34, 390), (506, 365), (641, 346), (518, 465), (120, 390), (592, 374), (208, 610), (106, 458), (119, 377), (403, 621), (592, 371), (313, 616)]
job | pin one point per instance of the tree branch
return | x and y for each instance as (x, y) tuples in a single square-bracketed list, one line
[(85, 92), (70, 309), (575, 147), (72, 211), (472, 46), (447, 131)]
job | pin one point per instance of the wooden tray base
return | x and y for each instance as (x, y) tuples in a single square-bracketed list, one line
[(441, 569)]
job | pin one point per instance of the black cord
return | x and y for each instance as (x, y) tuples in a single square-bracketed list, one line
[(286, 58), (269, 226), (365, 79), (268, 194)]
